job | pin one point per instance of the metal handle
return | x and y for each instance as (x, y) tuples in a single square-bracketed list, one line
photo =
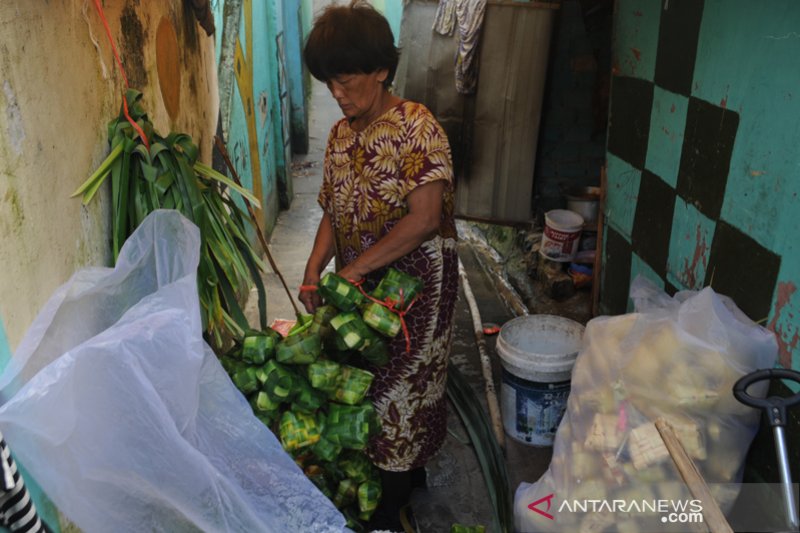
[(774, 406)]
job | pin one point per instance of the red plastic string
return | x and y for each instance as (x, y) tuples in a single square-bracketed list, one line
[(122, 71), (391, 305), (308, 288), (622, 419)]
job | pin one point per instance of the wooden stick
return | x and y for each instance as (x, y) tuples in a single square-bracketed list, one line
[(224, 152), (712, 514), (598, 253), (486, 364)]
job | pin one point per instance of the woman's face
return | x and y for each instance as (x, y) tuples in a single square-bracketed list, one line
[(358, 95)]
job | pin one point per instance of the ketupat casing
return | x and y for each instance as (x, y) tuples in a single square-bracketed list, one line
[(381, 319), (258, 346), (337, 291), (324, 375), (377, 353), (300, 348), (306, 398), (352, 332), (398, 287), (369, 494), (245, 378), (356, 466), (298, 430), (351, 426), (353, 385), (346, 493)]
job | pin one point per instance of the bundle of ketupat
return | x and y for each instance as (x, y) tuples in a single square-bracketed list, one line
[(339, 292), (362, 315), (316, 406)]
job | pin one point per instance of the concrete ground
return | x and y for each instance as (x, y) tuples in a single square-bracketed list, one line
[(456, 490)]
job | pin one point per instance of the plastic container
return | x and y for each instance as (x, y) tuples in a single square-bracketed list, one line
[(584, 201), (537, 353), (562, 232)]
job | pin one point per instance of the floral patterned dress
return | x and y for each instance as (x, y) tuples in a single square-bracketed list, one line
[(367, 177)]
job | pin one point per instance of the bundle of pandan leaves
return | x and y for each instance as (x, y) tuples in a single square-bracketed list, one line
[(164, 173), (310, 387)]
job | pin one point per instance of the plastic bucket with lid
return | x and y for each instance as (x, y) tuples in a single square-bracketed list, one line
[(562, 231), (584, 201), (537, 353)]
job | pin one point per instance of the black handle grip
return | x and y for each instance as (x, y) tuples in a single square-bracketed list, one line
[(774, 406)]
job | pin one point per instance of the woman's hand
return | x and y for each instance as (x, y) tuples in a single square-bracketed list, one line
[(321, 254), (309, 297), (353, 272)]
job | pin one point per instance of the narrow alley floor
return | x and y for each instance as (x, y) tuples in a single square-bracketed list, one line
[(456, 490)]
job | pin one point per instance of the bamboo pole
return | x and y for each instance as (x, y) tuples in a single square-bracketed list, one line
[(486, 364), (712, 514)]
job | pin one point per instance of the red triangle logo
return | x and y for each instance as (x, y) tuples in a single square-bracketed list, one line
[(549, 500)]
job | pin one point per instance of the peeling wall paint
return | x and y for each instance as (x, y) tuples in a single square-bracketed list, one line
[(14, 129), (708, 117), (60, 88)]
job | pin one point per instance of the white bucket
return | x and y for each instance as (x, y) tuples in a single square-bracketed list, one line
[(562, 231), (537, 353), (584, 201)]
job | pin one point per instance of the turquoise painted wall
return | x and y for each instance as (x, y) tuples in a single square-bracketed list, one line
[(393, 11), (257, 129), (44, 507), (293, 44), (745, 69)]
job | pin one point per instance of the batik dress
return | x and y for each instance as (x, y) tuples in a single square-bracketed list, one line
[(367, 177)]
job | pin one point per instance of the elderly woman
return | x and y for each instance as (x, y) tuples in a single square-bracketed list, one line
[(387, 201)]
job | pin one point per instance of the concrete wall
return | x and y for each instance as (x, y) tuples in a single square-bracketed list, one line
[(703, 182), (60, 87)]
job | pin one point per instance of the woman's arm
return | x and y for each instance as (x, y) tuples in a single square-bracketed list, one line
[(419, 225), (321, 254)]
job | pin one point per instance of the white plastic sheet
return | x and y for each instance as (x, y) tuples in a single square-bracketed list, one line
[(124, 416), (675, 358)]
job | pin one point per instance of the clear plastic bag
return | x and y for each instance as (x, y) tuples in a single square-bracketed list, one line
[(124, 416), (675, 358)]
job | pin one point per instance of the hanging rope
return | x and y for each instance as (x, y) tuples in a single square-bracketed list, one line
[(122, 72)]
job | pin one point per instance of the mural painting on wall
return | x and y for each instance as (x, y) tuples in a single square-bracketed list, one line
[(240, 155), (263, 115), (683, 141), (243, 70)]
